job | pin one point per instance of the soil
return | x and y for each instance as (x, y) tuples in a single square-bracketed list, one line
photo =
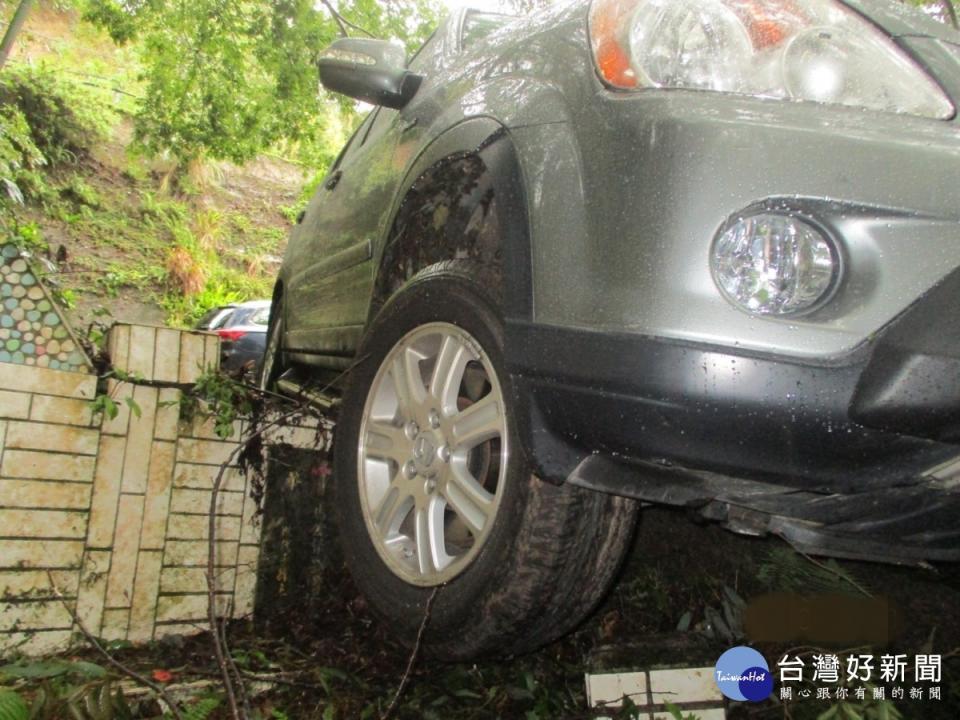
[(256, 192)]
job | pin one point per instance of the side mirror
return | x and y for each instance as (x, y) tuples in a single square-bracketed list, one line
[(369, 70)]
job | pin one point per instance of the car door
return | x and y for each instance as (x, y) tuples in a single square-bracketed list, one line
[(332, 248), (331, 255)]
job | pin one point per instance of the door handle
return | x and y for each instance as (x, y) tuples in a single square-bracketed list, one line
[(334, 180)]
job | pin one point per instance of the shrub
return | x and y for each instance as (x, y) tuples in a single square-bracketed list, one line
[(19, 156), (64, 120)]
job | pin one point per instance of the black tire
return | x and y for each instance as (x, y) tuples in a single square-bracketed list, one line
[(552, 551)]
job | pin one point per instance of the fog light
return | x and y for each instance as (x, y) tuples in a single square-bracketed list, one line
[(774, 264)]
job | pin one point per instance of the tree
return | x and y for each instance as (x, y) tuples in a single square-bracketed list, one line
[(13, 29), (227, 78), (942, 10)]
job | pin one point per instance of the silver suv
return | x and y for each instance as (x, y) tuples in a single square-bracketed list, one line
[(695, 252)]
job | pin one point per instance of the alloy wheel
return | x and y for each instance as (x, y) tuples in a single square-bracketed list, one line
[(432, 454)]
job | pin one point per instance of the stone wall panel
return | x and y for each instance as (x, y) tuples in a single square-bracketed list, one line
[(116, 509)]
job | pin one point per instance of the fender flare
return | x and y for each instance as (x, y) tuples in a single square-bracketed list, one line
[(488, 139)]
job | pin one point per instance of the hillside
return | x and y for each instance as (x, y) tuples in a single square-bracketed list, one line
[(133, 236)]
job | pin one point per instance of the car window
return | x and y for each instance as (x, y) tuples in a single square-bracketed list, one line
[(360, 132), (261, 317), (237, 317), (216, 318), (208, 317)]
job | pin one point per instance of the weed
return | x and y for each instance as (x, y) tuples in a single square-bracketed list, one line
[(203, 708), (65, 121), (54, 689), (785, 569), (65, 297), (136, 169), (255, 265), (20, 158), (226, 401), (78, 191), (186, 271), (164, 212), (207, 228), (199, 176), (28, 237), (677, 714)]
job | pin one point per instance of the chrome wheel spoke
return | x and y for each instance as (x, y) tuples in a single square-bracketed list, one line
[(448, 372), (408, 383), (394, 507), (431, 547), (480, 422), (429, 486), (387, 442), (468, 499)]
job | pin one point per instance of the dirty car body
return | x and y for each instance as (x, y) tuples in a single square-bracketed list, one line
[(836, 427)]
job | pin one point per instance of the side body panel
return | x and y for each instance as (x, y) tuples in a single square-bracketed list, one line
[(328, 271)]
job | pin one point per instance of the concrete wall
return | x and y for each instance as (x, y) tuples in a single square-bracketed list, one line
[(116, 510)]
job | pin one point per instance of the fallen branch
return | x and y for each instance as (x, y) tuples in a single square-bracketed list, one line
[(228, 669), (116, 664), (218, 634), (413, 655), (343, 23), (833, 571), (241, 686)]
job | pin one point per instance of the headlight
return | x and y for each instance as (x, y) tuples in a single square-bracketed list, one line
[(794, 49), (774, 264)]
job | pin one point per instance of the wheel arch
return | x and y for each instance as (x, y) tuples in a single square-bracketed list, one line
[(277, 297), (443, 212)]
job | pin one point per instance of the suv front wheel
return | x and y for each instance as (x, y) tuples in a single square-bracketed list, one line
[(432, 489)]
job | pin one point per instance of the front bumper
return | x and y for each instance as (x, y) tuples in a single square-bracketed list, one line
[(835, 456), (625, 243)]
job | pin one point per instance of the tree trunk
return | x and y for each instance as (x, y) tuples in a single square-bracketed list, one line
[(19, 17), (951, 12)]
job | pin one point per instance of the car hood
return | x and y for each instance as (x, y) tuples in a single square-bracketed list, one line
[(903, 20)]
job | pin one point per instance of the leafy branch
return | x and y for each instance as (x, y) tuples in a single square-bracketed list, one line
[(343, 23)]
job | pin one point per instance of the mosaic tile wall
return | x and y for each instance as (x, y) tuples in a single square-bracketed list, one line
[(32, 329)]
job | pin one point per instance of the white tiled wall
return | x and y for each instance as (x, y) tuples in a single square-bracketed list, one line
[(116, 513)]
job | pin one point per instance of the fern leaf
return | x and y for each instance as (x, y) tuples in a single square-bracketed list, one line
[(13, 707), (203, 709)]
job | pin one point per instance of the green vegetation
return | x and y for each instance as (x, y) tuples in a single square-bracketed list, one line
[(122, 223), (120, 124), (62, 689), (228, 79)]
